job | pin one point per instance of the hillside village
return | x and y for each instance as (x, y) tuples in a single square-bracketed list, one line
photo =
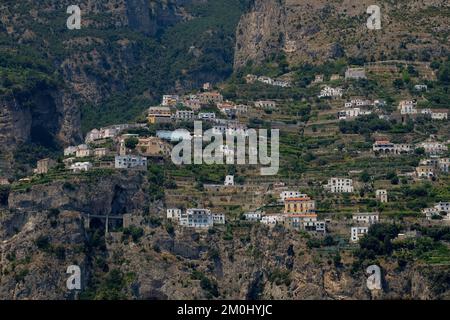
[(359, 195), (95, 104)]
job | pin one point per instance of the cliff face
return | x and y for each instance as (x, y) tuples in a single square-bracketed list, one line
[(44, 116), (117, 62), (242, 261), (316, 31), (103, 195)]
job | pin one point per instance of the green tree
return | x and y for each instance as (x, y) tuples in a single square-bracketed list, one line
[(131, 142)]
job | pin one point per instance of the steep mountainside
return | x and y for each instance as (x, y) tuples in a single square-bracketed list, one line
[(315, 31), (56, 83)]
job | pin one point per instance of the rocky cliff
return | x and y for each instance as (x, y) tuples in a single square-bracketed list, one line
[(56, 82), (314, 31), (44, 229)]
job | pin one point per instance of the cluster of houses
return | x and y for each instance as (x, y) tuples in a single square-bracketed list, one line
[(109, 132), (363, 221), (358, 107), (339, 185), (409, 107), (352, 113), (387, 147), (440, 210), (195, 218), (430, 147), (432, 167), (350, 74), (123, 157), (299, 213), (319, 78), (151, 146), (251, 78), (172, 108)]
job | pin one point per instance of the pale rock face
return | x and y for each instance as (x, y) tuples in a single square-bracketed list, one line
[(314, 31)]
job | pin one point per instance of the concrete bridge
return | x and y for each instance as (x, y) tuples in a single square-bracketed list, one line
[(88, 217)]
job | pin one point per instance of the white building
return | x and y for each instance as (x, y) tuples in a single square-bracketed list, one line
[(170, 100), (83, 151), (387, 147), (381, 195), (338, 185), (229, 180), (272, 220), (173, 214), (184, 115), (443, 164), (357, 233), (69, 151), (352, 113), (407, 107), (430, 212), (265, 104), (358, 103), (320, 226), (355, 73), (80, 166), (100, 152), (291, 194), (197, 218), (110, 132), (206, 115), (432, 147), (443, 207), (130, 161), (318, 78), (366, 217), (242, 108), (253, 216), (437, 209), (218, 218)]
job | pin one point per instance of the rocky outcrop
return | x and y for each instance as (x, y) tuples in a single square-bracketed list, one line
[(44, 116), (34, 260), (102, 195), (314, 32)]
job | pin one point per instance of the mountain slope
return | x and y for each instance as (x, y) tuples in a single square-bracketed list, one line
[(126, 55), (320, 30)]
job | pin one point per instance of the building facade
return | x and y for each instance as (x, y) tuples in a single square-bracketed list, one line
[(339, 185), (130, 161)]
